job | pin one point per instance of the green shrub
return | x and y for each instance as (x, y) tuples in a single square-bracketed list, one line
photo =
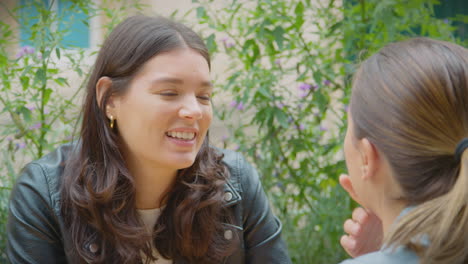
[(40, 85), (289, 65)]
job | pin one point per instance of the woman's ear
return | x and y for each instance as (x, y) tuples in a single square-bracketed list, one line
[(370, 159), (102, 86)]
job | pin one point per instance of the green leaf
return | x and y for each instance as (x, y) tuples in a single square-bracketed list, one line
[(322, 101), (201, 12), (299, 11), (61, 81), (278, 33), (47, 94), (281, 117), (26, 114), (57, 52), (211, 43), (333, 28), (52, 70), (40, 76), (264, 91), (24, 82)]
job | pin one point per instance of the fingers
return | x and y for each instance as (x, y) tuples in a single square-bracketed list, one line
[(349, 245), (351, 227), (360, 215)]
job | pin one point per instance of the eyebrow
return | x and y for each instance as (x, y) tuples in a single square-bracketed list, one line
[(180, 81)]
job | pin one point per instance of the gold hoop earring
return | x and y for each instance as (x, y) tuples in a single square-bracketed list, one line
[(111, 123)]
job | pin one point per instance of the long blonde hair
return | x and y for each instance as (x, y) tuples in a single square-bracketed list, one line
[(411, 101)]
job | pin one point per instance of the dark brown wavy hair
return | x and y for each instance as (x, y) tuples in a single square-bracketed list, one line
[(98, 192)]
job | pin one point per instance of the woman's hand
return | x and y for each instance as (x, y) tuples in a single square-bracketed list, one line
[(364, 232)]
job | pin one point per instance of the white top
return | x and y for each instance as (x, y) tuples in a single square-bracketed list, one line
[(149, 217)]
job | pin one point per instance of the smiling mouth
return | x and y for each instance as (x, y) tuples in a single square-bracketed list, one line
[(181, 135)]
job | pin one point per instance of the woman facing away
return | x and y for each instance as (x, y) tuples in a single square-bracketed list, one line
[(406, 150), (142, 184)]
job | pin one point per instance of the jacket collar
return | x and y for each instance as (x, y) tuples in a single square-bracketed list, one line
[(231, 194)]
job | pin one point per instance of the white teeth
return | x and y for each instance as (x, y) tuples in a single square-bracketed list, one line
[(181, 135)]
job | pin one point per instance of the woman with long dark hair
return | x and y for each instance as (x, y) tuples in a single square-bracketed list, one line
[(406, 150), (142, 184)]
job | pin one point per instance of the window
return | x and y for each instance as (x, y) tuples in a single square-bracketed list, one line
[(72, 19)]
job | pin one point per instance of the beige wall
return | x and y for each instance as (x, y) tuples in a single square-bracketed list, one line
[(6, 7), (154, 7)]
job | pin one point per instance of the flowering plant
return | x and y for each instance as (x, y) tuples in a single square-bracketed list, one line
[(289, 65), (39, 86)]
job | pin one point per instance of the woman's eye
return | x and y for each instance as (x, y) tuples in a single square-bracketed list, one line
[(204, 97), (168, 94)]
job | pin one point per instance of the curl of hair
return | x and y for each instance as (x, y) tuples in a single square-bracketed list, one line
[(97, 190), (192, 213)]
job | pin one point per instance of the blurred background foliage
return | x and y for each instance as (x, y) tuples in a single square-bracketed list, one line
[(288, 71), (290, 66), (40, 82)]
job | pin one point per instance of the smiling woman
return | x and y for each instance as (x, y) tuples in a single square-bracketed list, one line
[(142, 183)]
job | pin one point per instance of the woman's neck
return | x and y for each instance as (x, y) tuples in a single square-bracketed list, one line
[(151, 184), (388, 213)]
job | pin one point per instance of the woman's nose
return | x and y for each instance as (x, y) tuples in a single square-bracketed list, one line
[(191, 108)]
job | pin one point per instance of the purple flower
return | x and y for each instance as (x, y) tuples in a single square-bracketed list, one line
[(35, 126), (290, 120), (327, 82), (31, 108), (25, 50), (240, 106), (20, 145), (323, 128), (224, 138), (280, 105), (446, 21), (19, 54), (227, 42), (28, 50), (304, 87), (346, 108), (233, 103), (237, 105), (236, 147), (278, 62), (9, 139), (301, 127)]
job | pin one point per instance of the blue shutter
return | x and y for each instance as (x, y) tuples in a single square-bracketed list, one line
[(77, 22), (74, 21), (28, 17)]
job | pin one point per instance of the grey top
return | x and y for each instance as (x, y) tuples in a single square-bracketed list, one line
[(398, 255), (385, 256)]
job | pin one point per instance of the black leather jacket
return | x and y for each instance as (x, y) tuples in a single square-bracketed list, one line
[(36, 233)]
